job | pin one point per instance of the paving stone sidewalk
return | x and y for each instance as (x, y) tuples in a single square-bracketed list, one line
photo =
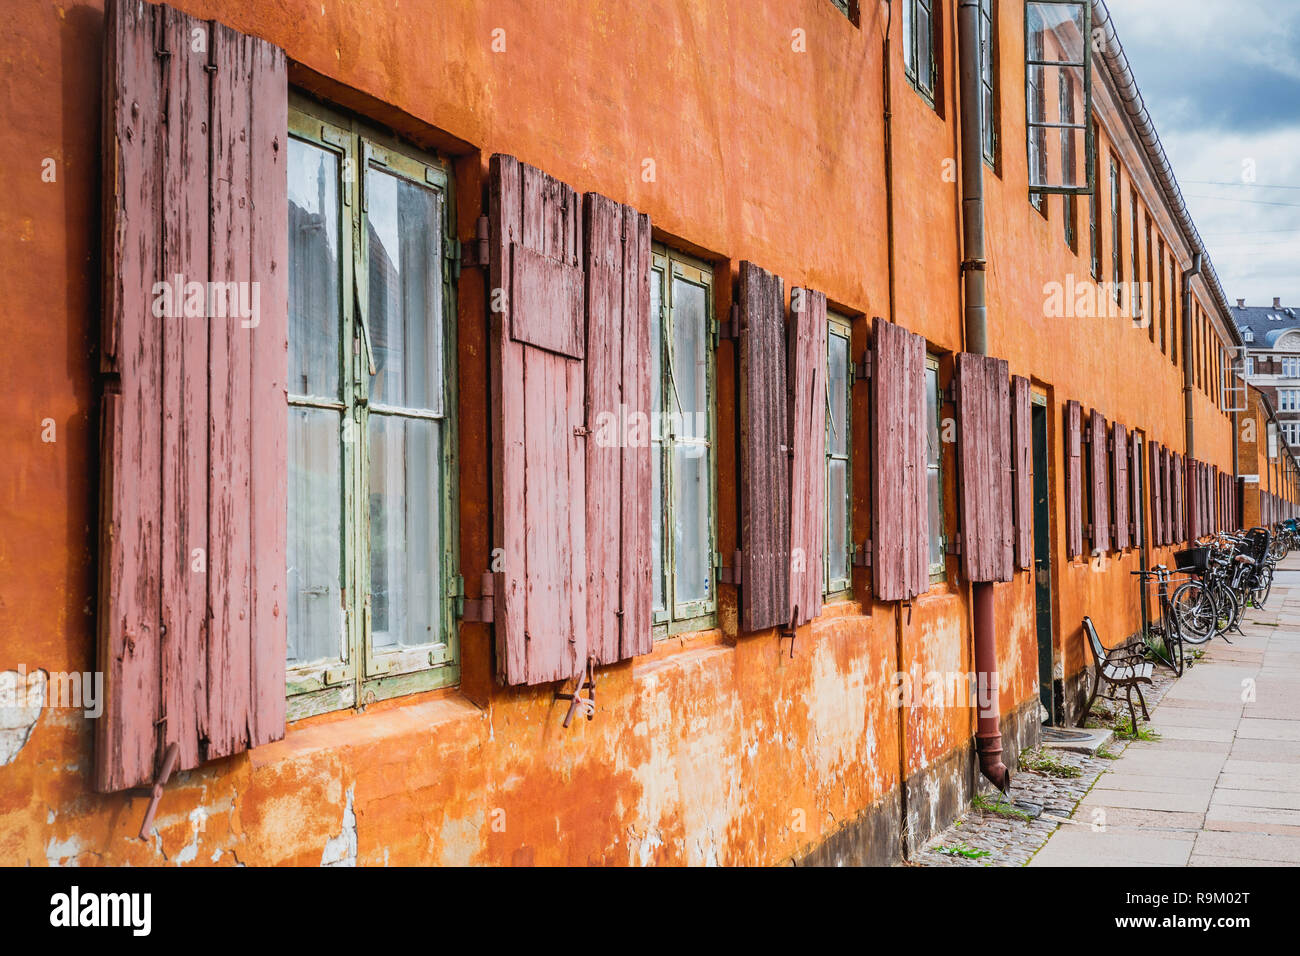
[(1220, 786)]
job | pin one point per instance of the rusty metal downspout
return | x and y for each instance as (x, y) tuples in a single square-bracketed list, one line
[(988, 730)]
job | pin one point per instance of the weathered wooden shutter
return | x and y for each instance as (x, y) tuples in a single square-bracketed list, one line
[(1119, 476), (1073, 479), (984, 463), (806, 351), (900, 519), (1166, 500), (194, 413), (1156, 495), (764, 453), (1022, 455), (538, 449), (1100, 490), (1179, 492), (1193, 505), (1135, 488), (618, 519)]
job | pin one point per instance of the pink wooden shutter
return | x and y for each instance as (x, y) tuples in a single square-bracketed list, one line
[(1193, 505), (899, 510), (1166, 463), (194, 410), (1178, 485), (764, 453), (984, 460), (1073, 479), (1157, 519), (1135, 488), (1119, 475), (617, 275), (538, 449), (807, 403), (1100, 490), (1023, 485)]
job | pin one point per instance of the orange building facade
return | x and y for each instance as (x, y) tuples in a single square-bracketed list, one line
[(783, 133)]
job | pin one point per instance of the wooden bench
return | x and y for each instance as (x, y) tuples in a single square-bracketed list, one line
[(1120, 667)]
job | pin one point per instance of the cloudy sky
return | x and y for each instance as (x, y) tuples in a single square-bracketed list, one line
[(1222, 81)]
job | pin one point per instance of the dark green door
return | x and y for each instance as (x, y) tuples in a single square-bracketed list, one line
[(1043, 560)]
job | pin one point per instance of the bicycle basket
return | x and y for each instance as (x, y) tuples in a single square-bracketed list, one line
[(1196, 560)]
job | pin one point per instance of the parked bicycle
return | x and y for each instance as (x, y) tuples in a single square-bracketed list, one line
[(1162, 639)]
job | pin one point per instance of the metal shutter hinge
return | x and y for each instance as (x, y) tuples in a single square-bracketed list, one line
[(476, 252), (730, 329), (860, 371), (451, 249), (954, 544), (728, 575), (861, 556), (476, 609)]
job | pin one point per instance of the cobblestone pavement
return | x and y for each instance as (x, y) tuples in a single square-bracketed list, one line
[(984, 838)]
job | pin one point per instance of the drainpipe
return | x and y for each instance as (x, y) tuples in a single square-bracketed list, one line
[(988, 729), (1188, 387)]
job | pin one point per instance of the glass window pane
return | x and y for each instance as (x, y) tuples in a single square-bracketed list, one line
[(405, 522), (404, 230), (690, 359), (837, 441), (314, 315), (657, 522), (316, 623), (837, 534), (691, 523), (909, 50), (936, 518), (923, 50)]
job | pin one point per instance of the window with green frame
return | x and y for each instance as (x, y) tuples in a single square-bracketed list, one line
[(934, 469), (837, 575), (919, 60), (682, 382), (988, 93), (372, 434), (1117, 246), (1094, 231)]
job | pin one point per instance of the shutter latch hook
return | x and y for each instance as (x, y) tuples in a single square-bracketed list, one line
[(587, 682), (159, 781)]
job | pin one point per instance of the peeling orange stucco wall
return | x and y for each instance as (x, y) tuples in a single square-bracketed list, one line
[(716, 748)]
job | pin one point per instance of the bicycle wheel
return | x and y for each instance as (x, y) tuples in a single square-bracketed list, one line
[(1197, 614), (1263, 587), (1158, 647), (1228, 604)]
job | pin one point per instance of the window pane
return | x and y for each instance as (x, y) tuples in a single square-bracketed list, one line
[(314, 315), (691, 523), (316, 622), (934, 486), (837, 533), (690, 359), (656, 448), (657, 522), (909, 49), (405, 544), (404, 229), (923, 53), (837, 441)]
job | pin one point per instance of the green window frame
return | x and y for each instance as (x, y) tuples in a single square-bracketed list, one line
[(1069, 24), (1135, 241), (988, 80), (389, 382), (682, 443), (837, 571), (1116, 225), (1094, 231), (934, 471), (846, 7), (920, 62)]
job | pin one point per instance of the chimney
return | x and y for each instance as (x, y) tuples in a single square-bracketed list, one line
[(1277, 303), (1241, 303)]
